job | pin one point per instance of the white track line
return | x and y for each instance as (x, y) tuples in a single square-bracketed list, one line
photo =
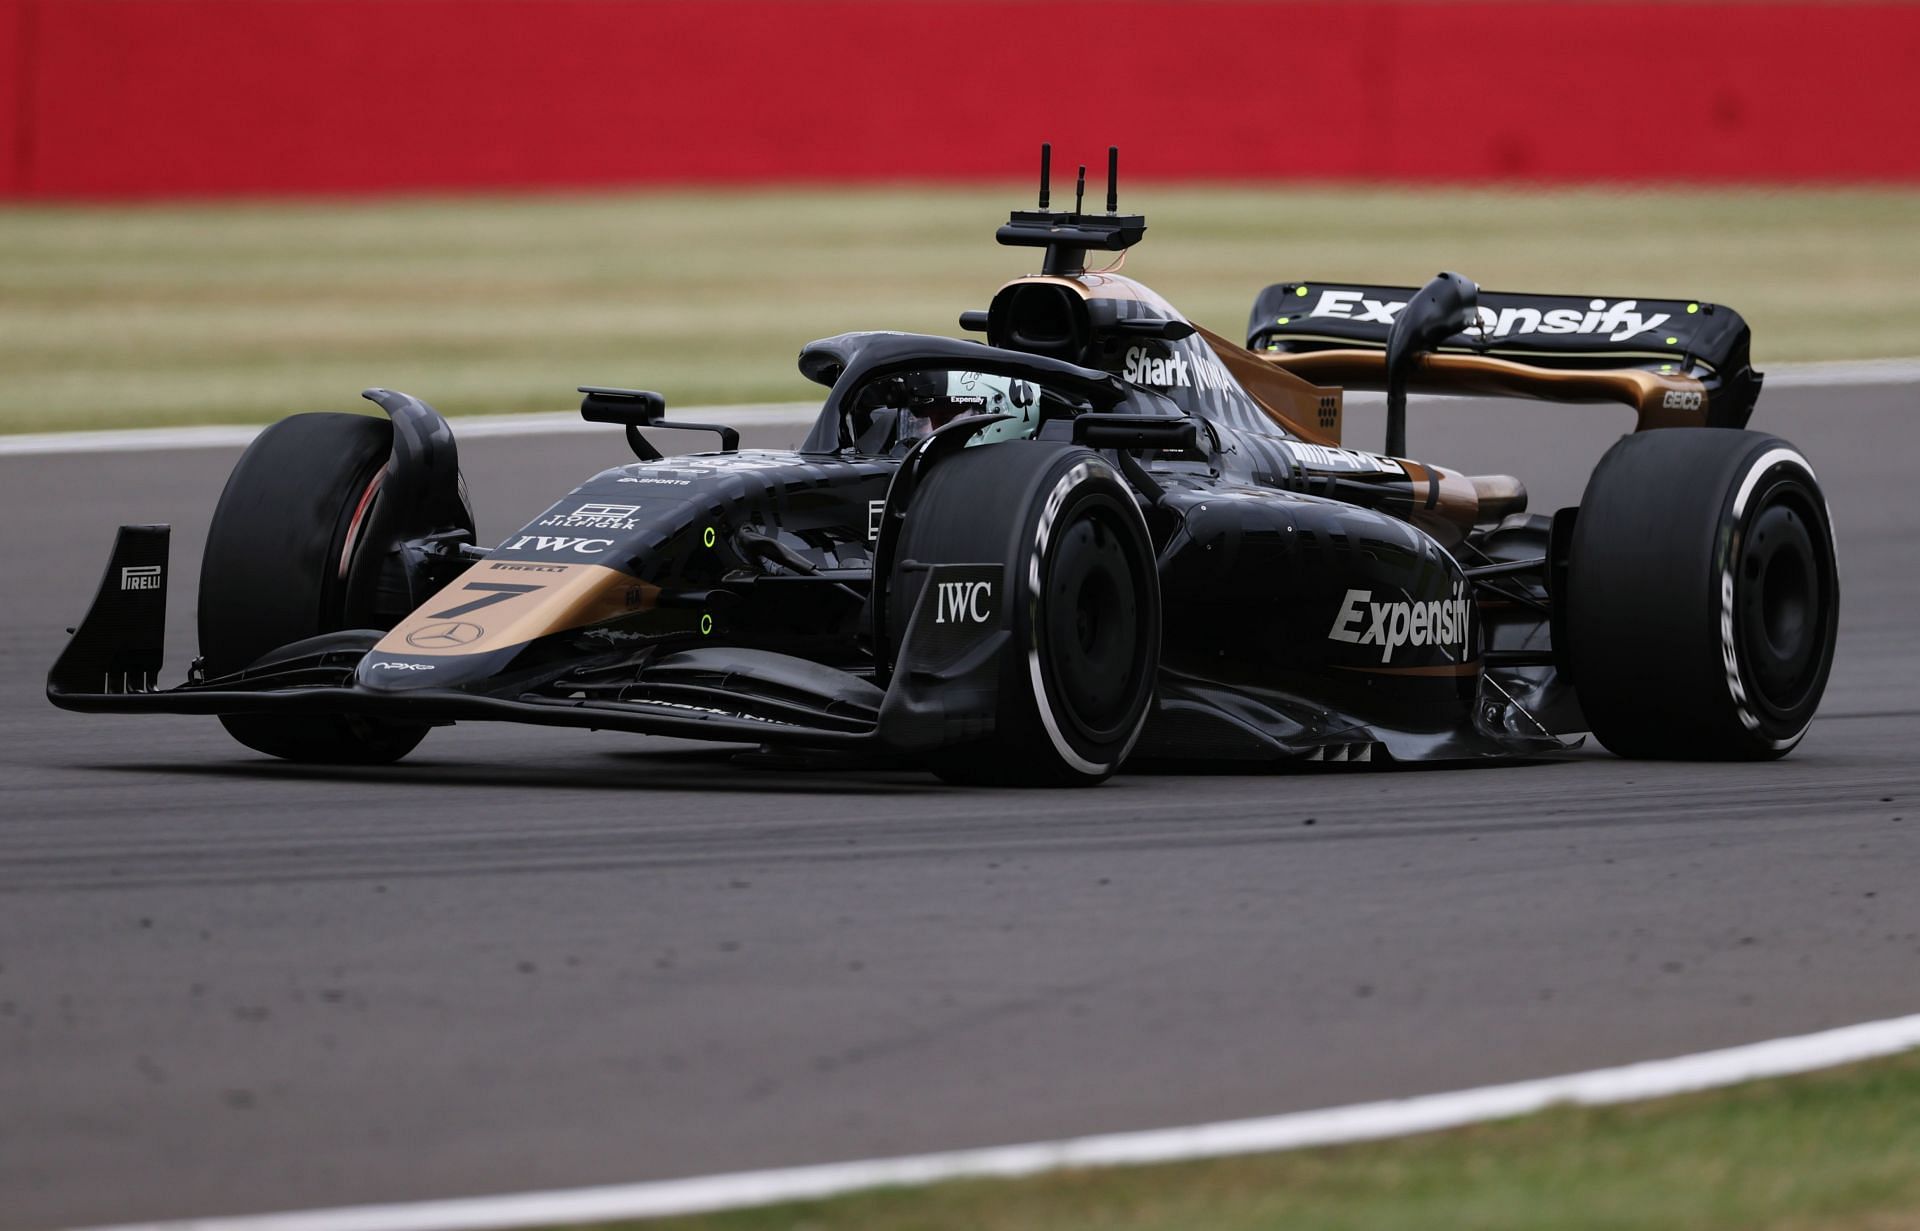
[(1331, 1126), (467, 427), (1842, 372), (784, 414)]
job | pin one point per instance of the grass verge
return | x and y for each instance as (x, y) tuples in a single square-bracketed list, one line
[(241, 313), (1838, 1150)]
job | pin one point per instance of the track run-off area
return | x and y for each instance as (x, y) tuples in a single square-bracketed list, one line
[(530, 959)]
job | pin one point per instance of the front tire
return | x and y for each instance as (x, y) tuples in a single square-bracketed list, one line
[(1077, 683), (280, 552), (1704, 596)]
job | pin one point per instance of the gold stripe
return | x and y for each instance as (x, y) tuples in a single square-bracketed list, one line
[(569, 596)]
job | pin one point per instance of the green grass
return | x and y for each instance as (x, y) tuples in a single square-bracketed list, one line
[(240, 313), (1837, 1151)]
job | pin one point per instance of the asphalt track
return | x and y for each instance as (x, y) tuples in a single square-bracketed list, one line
[(538, 959)]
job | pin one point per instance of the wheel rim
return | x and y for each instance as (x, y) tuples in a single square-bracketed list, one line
[(1786, 600), (1092, 627)]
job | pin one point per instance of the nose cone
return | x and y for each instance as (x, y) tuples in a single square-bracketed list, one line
[(412, 668), (383, 671)]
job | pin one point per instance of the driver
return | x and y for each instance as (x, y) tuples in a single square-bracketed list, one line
[(937, 398)]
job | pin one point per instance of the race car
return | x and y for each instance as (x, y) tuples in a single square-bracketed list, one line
[(1103, 536)]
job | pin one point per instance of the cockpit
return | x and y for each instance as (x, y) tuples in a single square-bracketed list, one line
[(890, 413), (889, 390)]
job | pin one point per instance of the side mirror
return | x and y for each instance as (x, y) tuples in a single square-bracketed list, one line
[(1448, 305), (1154, 327), (638, 408), (631, 407)]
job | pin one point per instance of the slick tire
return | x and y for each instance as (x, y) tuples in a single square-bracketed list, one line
[(279, 554), (1703, 596), (1077, 683)]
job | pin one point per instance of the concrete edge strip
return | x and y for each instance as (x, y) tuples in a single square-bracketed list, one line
[(788, 414), (1293, 1131)]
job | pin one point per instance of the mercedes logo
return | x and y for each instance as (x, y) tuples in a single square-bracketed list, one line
[(444, 636)]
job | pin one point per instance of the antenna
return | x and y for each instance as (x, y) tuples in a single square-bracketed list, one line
[(1068, 237)]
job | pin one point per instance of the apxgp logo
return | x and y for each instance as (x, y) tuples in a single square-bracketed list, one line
[(140, 577), (1441, 622), (963, 602)]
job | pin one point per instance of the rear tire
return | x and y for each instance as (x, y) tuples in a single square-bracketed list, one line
[(1078, 681), (1703, 596), (281, 548)]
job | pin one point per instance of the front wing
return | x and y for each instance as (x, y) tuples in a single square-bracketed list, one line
[(942, 690)]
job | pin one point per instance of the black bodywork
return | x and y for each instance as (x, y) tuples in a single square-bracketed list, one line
[(1317, 608)]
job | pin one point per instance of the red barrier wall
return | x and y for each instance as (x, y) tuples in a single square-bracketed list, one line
[(145, 98), (13, 89)]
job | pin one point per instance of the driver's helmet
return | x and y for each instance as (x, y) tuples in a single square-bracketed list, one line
[(937, 398)]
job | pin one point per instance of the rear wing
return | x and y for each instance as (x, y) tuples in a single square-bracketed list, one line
[(1675, 360)]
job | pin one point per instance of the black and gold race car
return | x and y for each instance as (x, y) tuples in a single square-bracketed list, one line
[(1103, 536)]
